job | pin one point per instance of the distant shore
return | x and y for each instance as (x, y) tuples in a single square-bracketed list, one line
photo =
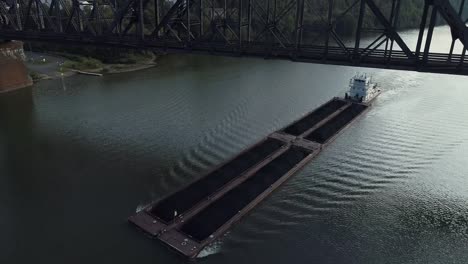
[(52, 65)]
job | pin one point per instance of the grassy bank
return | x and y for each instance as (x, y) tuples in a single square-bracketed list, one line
[(91, 64), (96, 59), (51, 65)]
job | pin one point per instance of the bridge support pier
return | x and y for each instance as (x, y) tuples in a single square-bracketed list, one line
[(13, 72)]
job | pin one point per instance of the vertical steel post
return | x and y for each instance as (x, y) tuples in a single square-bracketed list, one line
[(273, 22), (97, 16), (119, 27), (392, 16), (141, 24), (78, 15), (18, 16), (212, 10), (40, 18), (36, 14), (93, 14), (212, 23), (156, 16), (268, 12), (460, 12), (394, 25), (240, 25), (201, 20), (249, 20), (28, 12), (269, 37), (299, 25), (462, 58), (429, 34), (329, 26), (359, 28), (422, 28), (187, 7), (224, 17), (274, 12), (59, 14)]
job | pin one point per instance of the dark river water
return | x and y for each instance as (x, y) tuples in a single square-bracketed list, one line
[(80, 155)]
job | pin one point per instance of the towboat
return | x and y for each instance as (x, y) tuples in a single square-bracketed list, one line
[(362, 89)]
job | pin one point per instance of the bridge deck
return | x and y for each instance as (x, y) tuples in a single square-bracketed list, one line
[(378, 58), (287, 30)]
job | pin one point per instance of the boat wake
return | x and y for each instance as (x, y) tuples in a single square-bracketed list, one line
[(211, 249), (141, 207)]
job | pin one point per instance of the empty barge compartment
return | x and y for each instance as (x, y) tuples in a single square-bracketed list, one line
[(159, 215), (332, 127), (190, 237), (313, 118)]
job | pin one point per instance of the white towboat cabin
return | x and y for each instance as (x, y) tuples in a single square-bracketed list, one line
[(362, 89)]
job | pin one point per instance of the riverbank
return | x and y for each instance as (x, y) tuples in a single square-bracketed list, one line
[(53, 65)]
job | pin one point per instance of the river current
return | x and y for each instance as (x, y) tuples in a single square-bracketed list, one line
[(79, 155)]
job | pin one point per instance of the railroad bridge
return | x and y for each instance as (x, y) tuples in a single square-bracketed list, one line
[(298, 30)]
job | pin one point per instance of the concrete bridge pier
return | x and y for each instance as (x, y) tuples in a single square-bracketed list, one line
[(13, 72)]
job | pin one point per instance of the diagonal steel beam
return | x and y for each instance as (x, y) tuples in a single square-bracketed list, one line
[(10, 16), (137, 16), (340, 43), (460, 13), (330, 25), (454, 20), (28, 14), (370, 51), (169, 15), (66, 8), (390, 29), (47, 16), (430, 32), (120, 14), (77, 18), (289, 7), (299, 24)]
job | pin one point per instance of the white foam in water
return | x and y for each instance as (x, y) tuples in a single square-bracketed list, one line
[(211, 249), (140, 207)]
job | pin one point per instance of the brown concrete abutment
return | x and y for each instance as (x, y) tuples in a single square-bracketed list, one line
[(13, 72)]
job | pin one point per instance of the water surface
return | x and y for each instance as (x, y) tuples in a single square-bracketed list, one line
[(79, 155)]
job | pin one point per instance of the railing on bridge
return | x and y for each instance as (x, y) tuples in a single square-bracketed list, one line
[(333, 31)]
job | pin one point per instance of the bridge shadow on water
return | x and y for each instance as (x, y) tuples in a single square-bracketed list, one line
[(17, 119), (55, 189)]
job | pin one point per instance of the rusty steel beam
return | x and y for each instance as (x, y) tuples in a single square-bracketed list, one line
[(303, 30), (390, 28)]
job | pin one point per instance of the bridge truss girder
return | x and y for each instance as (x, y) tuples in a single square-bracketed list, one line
[(302, 30)]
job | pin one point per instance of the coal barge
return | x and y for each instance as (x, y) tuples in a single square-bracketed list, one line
[(196, 215)]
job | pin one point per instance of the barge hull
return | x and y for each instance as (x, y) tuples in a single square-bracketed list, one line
[(205, 223), (207, 220), (190, 247)]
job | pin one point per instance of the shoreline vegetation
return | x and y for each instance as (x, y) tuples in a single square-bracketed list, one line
[(57, 62)]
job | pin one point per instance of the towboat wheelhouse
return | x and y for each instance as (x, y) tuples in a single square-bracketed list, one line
[(361, 89)]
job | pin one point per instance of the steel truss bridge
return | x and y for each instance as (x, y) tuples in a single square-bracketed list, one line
[(343, 32)]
